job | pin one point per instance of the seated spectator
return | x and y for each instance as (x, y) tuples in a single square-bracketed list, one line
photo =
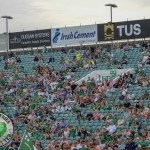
[(96, 115), (131, 96), (71, 50), (124, 61), (63, 51), (41, 58), (62, 60), (120, 122), (111, 128), (18, 59), (144, 82), (6, 64), (124, 56), (51, 59), (66, 132), (86, 65), (75, 146), (121, 97), (67, 61), (130, 145), (83, 131), (143, 143), (64, 141), (120, 144), (127, 104), (36, 59), (127, 132), (89, 116), (79, 115), (120, 67)]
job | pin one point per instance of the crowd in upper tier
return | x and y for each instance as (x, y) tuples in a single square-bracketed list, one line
[(60, 114)]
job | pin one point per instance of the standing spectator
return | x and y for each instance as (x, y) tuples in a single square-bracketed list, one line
[(78, 57)]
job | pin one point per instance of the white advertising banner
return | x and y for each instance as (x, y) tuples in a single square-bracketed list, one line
[(3, 41), (74, 35)]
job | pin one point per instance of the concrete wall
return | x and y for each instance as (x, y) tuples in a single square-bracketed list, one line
[(96, 73)]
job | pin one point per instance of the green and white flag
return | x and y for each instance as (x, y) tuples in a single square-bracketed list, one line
[(26, 143)]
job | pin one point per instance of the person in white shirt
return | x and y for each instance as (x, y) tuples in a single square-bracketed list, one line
[(131, 96), (62, 108), (69, 75), (53, 84), (96, 96), (124, 91), (69, 102), (98, 81), (10, 79), (86, 65), (66, 132), (57, 108), (75, 145), (31, 116), (111, 128), (67, 108), (83, 144), (51, 97), (41, 93), (11, 91)]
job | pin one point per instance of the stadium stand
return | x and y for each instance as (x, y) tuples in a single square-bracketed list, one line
[(39, 93)]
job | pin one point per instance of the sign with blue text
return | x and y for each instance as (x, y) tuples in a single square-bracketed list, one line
[(74, 35)]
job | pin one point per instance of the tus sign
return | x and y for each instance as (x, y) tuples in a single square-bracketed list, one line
[(6, 131), (74, 35), (124, 30), (129, 30)]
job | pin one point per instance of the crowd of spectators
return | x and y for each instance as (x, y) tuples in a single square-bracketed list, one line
[(41, 98)]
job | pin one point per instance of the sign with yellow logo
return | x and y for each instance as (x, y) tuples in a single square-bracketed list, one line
[(109, 31)]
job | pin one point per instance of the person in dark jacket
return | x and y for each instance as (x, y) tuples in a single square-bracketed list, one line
[(130, 145)]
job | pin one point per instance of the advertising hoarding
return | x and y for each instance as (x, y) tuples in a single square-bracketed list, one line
[(124, 30), (30, 39), (74, 35)]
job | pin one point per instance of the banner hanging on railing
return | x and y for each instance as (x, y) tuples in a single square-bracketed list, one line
[(124, 30), (36, 38), (3, 42), (74, 35)]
